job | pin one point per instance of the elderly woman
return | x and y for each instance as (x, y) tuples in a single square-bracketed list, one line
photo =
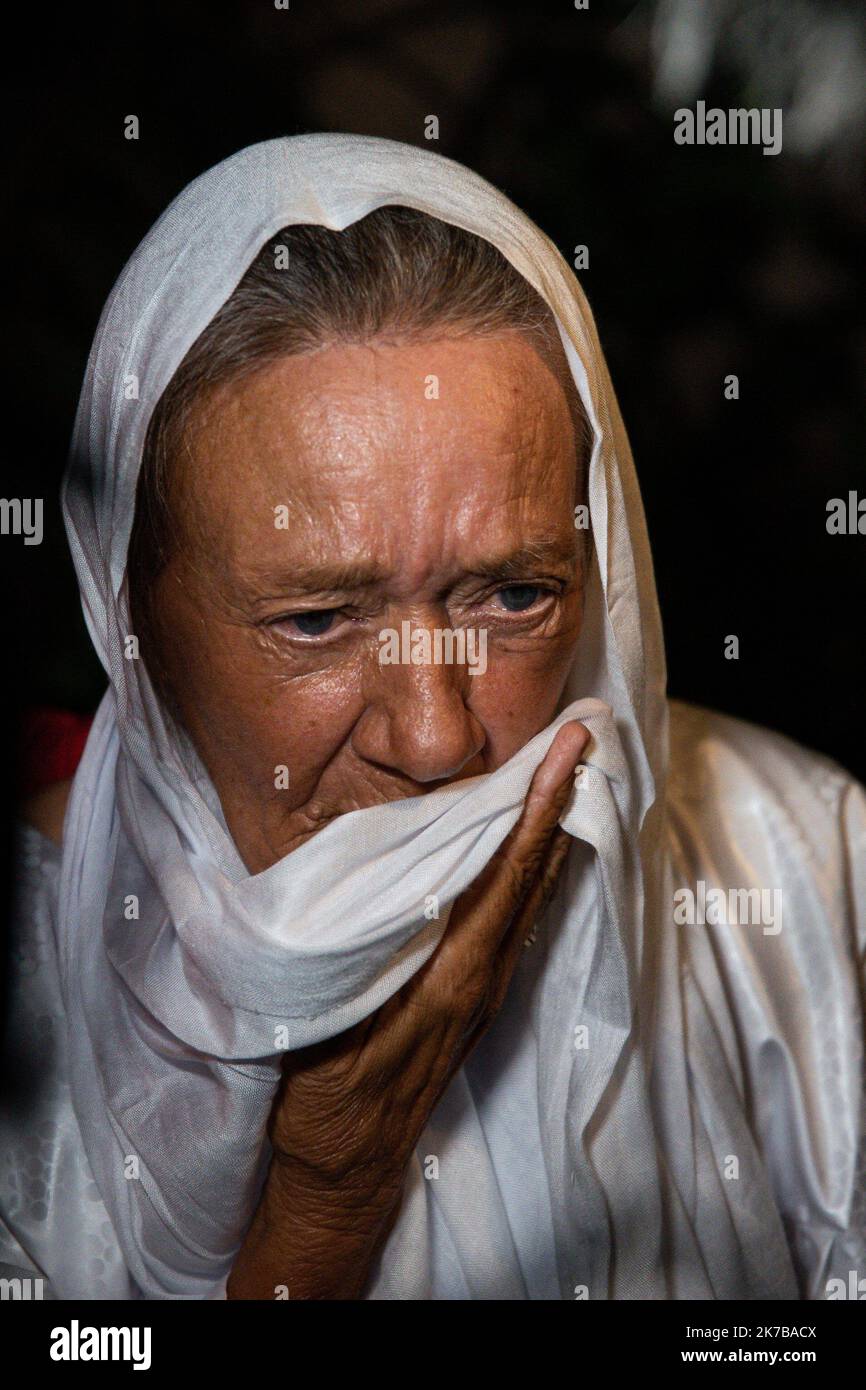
[(367, 962)]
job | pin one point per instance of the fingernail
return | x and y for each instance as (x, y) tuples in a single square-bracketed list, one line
[(562, 757)]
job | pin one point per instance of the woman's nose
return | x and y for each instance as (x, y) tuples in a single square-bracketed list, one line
[(417, 722)]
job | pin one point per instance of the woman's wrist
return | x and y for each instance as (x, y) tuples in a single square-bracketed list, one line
[(312, 1241)]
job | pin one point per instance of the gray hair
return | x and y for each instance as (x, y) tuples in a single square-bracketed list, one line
[(397, 274)]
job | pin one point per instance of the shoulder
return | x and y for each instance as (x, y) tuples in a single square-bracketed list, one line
[(711, 752), (46, 809), (761, 803)]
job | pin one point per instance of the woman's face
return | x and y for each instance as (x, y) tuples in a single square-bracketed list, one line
[(330, 497)]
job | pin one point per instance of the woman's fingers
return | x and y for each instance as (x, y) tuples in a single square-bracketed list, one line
[(507, 880), (537, 899), (532, 909), (515, 939)]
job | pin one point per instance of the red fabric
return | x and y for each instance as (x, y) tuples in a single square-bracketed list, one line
[(52, 741)]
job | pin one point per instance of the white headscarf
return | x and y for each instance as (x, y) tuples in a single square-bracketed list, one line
[(173, 1016)]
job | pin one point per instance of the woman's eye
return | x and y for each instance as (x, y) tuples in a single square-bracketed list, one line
[(519, 597), (316, 623)]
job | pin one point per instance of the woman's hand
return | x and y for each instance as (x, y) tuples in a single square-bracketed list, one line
[(350, 1111)]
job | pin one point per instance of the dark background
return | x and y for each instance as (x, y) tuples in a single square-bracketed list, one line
[(703, 262)]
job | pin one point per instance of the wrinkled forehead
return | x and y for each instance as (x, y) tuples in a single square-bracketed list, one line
[(339, 451)]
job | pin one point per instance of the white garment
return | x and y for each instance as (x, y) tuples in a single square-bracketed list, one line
[(704, 1141)]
